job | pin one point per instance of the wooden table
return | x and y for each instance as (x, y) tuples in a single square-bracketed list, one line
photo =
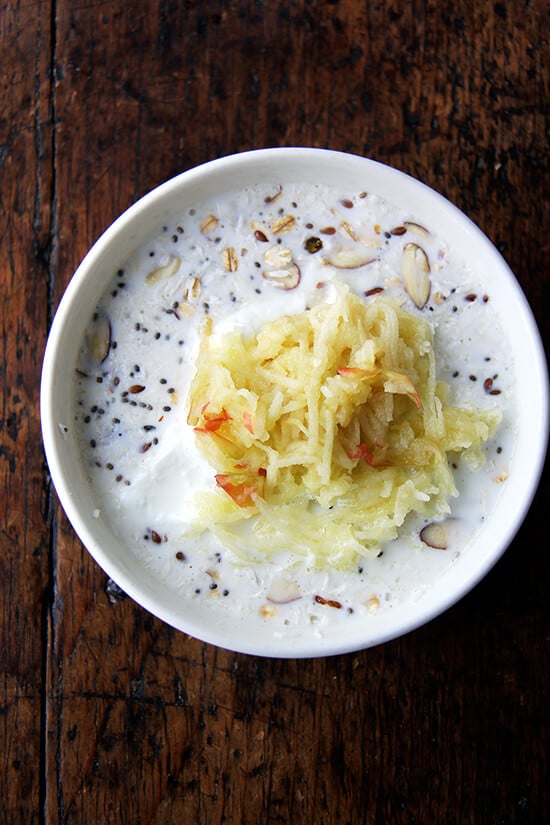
[(107, 714)]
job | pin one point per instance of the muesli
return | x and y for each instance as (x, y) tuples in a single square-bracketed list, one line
[(229, 269)]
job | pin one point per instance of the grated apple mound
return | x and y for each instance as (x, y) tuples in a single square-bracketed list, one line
[(326, 430)]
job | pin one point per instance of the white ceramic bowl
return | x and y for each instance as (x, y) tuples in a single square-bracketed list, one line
[(309, 166)]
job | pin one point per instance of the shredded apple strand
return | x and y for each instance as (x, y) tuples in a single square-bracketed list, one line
[(336, 407)]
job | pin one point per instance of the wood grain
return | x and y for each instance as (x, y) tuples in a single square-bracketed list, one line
[(107, 714), (26, 185)]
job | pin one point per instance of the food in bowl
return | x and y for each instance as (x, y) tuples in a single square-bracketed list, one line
[(295, 407), (249, 409)]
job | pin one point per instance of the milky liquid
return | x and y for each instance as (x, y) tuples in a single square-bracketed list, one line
[(131, 409)]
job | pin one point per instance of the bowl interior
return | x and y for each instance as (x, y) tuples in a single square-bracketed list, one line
[(309, 166)]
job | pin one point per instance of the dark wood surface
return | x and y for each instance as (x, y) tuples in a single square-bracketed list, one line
[(107, 715)]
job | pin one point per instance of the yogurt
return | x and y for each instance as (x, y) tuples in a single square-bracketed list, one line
[(211, 265)]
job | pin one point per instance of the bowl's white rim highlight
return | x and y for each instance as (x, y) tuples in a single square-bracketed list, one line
[(124, 233)]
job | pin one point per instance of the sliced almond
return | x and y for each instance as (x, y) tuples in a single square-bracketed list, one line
[(100, 339), (416, 267), (287, 278), (283, 224), (434, 535), (230, 259), (349, 257), (208, 224), (417, 228), (162, 273), (283, 590), (440, 534)]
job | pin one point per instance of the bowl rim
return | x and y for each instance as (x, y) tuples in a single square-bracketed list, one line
[(150, 597)]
